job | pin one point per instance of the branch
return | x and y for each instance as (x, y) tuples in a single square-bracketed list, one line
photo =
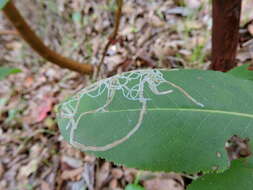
[(37, 45), (113, 36)]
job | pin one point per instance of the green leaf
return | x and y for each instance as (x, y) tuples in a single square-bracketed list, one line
[(177, 120), (238, 177), (5, 71), (242, 72), (134, 187), (3, 3)]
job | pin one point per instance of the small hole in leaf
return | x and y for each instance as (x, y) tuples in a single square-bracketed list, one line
[(237, 147)]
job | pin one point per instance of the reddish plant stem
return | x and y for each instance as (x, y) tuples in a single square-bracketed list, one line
[(37, 45), (225, 33), (113, 36)]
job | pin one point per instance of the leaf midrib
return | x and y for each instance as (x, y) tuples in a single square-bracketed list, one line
[(239, 114)]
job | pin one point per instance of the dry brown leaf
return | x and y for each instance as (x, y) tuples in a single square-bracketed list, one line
[(113, 61), (28, 169), (162, 181), (117, 173), (164, 48), (156, 21), (14, 45), (102, 174), (194, 4), (162, 184), (128, 8), (36, 150), (45, 186), (250, 28), (243, 56), (130, 174), (71, 174), (72, 162), (247, 10), (89, 158), (113, 184)]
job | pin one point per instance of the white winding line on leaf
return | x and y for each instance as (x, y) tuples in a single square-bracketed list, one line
[(154, 78)]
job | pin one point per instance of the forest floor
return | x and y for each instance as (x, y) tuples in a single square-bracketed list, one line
[(157, 34)]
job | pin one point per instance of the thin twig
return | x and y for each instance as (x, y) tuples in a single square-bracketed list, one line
[(113, 36), (9, 32)]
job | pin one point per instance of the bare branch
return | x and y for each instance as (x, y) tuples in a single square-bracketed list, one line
[(37, 45)]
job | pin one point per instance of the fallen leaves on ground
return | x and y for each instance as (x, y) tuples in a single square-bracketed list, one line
[(157, 34)]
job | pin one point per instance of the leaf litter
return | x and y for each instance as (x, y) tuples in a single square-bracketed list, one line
[(152, 34)]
